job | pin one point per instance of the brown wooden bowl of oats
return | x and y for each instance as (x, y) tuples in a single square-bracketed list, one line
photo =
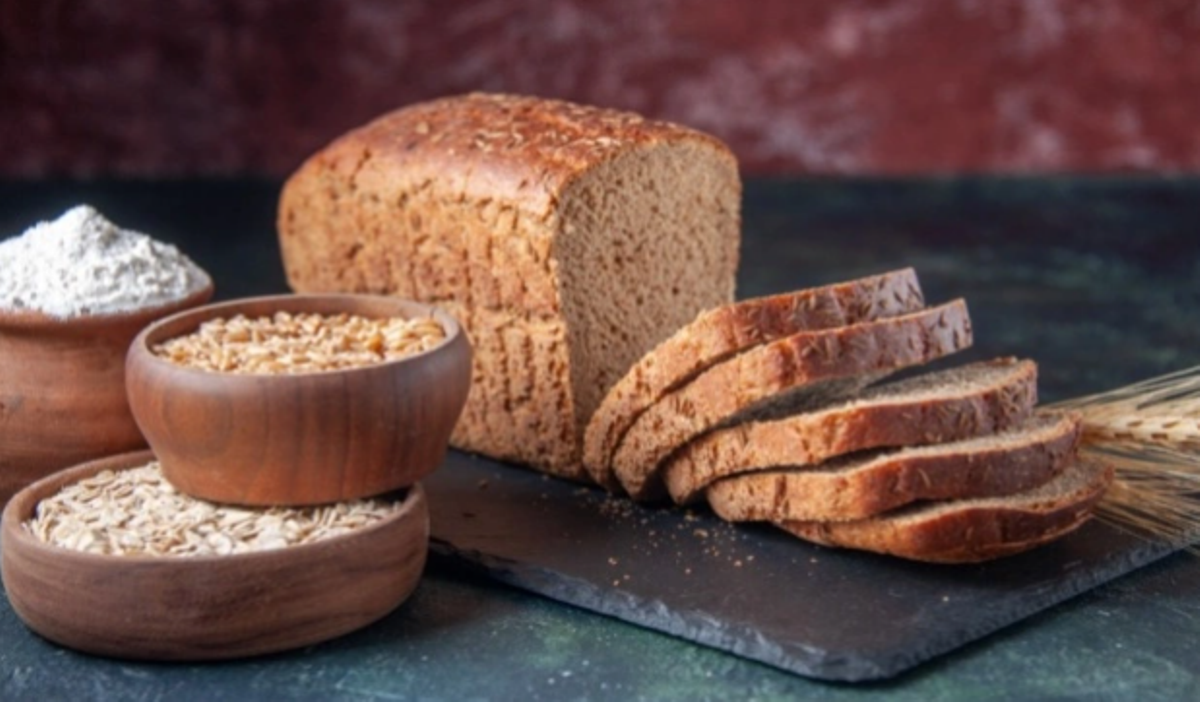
[(299, 399), (108, 559)]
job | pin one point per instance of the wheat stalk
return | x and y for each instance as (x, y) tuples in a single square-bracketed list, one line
[(1156, 490), (1150, 433)]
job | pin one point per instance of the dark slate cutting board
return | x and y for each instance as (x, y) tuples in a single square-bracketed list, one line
[(750, 590)]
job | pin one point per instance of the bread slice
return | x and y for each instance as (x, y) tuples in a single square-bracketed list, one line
[(569, 240), (724, 331), (797, 372), (968, 531), (857, 487), (979, 398)]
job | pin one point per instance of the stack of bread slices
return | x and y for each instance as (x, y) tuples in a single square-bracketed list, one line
[(777, 409)]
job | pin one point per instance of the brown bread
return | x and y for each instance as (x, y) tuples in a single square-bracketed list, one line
[(857, 487), (568, 240), (979, 398), (968, 531), (798, 372), (719, 333)]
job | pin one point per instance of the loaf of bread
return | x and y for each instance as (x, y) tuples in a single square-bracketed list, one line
[(591, 255), (722, 332), (947, 405), (568, 240)]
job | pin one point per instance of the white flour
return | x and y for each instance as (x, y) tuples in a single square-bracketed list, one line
[(82, 264)]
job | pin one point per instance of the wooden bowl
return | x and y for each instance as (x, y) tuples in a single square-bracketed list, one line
[(62, 389), (185, 608), (299, 439)]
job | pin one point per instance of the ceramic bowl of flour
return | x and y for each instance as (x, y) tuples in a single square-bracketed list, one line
[(73, 295)]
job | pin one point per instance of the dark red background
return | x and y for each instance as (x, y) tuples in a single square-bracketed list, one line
[(178, 87)]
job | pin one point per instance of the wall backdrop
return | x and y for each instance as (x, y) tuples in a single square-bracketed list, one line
[(179, 87)]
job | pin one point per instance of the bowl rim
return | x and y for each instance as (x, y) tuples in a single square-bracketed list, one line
[(35, 319), (141, 347), (12, 523)]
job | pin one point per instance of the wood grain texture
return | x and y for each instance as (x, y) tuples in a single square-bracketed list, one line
[(62, 389), (299, 439), (214, 607)]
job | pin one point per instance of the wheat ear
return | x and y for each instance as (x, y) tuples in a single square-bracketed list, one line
[(1150, 433)]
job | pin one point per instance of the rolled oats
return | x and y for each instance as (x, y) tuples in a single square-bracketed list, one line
[(136, 512)]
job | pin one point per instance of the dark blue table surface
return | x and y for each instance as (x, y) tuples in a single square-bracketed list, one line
[(1097, 279)]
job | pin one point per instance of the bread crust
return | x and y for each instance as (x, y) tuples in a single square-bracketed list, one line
[(719, 333), (515, 148), (970, 531), (850, 356), (810, 438), (1020, 460)]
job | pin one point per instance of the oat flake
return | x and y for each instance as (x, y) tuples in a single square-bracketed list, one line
[(136, 512)]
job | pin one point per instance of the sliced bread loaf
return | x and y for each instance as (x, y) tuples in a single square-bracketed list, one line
[(857, 487), (721, 332), (569, 240), (794, 373), (967, 531), (979, 398)]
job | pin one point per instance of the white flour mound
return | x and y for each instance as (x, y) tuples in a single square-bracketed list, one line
[(82, 264)]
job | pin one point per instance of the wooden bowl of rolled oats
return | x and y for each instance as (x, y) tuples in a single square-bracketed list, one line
[(109, 559), (299, 399)]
